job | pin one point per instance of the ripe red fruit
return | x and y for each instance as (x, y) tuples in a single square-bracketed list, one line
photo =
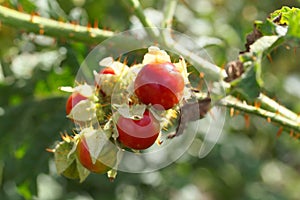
[(107, 70), (138, 134), (104, 80), (73, 99), (84, 157), (159, 84)]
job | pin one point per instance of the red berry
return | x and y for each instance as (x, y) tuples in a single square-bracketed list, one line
[(138, 134), (105, 80), (73, 99), (107, 70), (84, 157), (159, 84)]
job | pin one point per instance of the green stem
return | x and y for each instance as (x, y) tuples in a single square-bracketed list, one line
[(288, 124), (41, 25), (169, 12), (139, 12), (275, 107)]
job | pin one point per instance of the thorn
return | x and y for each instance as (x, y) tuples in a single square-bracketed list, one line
[(41, 31), (270, 58), (125, 61), (96, 24), (257, 104), (295, 50), (279, 132), (237, 112), (247, 121), (50, 150), (269, 120), (159, 142), (231, 112), (223, 66), (89, 26), (292, 133), (20, 8), (31, 16), (66, 137), (201, 75)]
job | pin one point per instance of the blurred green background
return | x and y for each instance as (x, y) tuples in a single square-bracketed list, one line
[(245, 164)]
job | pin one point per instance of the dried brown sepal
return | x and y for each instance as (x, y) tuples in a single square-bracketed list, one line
[(188, 114), (234, 70), (251, 38)]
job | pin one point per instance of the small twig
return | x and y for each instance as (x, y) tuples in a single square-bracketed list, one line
[(169, 12), (273, 106), (286, 123), (139, 12), (41, 25)]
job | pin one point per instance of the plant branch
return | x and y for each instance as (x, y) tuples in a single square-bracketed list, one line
[(41, 25), (139, 12), (286, 123), (169, 12), (273, 106)]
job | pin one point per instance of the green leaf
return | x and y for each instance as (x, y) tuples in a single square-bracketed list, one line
[(82, 171), (264, 43), (294, 25), (266, 28), (71, 172), (289, 17), (61, 156), (67, 164), (283, 15), (247, 85)]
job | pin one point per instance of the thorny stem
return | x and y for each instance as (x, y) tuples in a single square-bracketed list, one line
[(40, 25), (139, 12), (288, 124), (169, 12), (273, 106)]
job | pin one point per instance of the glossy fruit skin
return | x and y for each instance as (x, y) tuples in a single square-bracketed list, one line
[(138, 134), (107, 70), (85, 159), (159, 84), (73, 99), (106, 79)]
